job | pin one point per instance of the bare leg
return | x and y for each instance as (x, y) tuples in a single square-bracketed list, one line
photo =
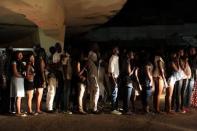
[(169, 98), (80, 97), (159, 93), (18, 105), (39, 92), (29, 100)]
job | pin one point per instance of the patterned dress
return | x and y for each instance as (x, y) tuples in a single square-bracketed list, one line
[(194, 96)]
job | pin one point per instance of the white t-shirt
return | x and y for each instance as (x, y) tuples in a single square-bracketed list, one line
[(114, 65), (56, 57)]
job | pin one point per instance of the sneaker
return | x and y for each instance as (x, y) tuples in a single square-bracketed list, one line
[(68, 112), (21, 115), (187, 109), (115, 112), (183, 111)]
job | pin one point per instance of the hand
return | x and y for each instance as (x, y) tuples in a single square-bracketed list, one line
[(166, 84), (44, 85), (140, 87)]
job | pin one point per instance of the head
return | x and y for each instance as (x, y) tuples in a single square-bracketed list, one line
[(41, 53), (68, 49), (31, 58), (19, 56), (130, 55), (173, 55), (58, 47), (192, 51), (9, 49), (92, 56), (181, 52), (36, 48), (115, 50), (52, 50)]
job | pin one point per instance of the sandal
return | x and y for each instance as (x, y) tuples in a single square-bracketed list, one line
[(31, 113)]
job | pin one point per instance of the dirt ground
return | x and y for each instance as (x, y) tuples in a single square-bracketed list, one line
[(102, 122), (60, 122)]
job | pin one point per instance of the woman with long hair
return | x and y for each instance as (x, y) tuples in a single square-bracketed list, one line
[(176, 74), (29, 82), (40, 78), (159, 79)]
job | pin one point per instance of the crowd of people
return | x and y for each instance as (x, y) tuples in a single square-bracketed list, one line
[(77, 80)]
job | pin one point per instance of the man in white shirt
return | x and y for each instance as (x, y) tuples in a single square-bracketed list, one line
[(113, 70)]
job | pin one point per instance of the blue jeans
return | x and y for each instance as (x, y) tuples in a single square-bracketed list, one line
[(146, 97), (187, 92), (114, 100), (127, 98), (177, 97)]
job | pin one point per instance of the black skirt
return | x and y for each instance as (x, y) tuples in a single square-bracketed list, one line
[(29, 85)]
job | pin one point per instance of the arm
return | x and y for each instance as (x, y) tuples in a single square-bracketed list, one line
[(188, 71), (162, 72), (148, 73), (42, 66), (111, 71), (29, 75), (130, 72), (137, 78), (80, 72), (15, 71), (174, 67)]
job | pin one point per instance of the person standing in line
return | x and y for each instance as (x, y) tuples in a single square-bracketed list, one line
[(17, 82), (128, 79), (176, 74), (52, 82), (81, 76), (191, 99), (93, 81), (179, 85), (29, 82), (67, 75), (145, 77), (113, 70), (57, 66), (186, 90), (159, 79), (40, 77), (4, 81), (10, 101)]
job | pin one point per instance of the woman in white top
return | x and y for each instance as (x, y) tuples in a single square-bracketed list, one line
[(17, 82)]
